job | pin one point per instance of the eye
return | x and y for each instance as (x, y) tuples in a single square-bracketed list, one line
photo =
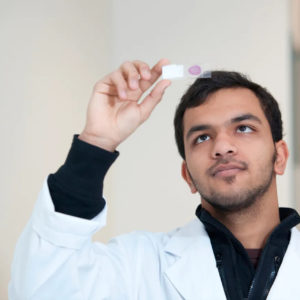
[(202, 138), (244, 129)]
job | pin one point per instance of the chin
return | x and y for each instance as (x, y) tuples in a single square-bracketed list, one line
[(236, 201)]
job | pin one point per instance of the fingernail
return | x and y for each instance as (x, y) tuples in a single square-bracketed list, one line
[(133, 83), (123, 94), (146, 73)]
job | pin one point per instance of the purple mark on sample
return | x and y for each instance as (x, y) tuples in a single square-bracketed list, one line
[(195, 70)]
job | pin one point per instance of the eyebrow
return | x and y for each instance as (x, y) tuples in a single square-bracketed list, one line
[(197, 128), (245, 117), (237, 119)]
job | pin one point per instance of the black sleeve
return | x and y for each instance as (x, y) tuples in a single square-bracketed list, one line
[(76, 188)]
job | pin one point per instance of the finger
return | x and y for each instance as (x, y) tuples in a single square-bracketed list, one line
[(155, 74), (144, 69), (131, 73), (120, 83), (157, 69), (153, 99)]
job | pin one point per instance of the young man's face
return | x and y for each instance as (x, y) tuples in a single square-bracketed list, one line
[(230, 154)]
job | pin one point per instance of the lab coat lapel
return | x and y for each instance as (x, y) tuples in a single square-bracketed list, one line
[(287, 284), (192, 268)]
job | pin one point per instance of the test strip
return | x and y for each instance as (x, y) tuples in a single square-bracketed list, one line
[(172, 71), (182, 71)]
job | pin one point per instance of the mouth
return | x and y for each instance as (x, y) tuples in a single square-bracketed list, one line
[(227, 170)]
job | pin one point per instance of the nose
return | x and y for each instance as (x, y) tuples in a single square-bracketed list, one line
[(223, 146)]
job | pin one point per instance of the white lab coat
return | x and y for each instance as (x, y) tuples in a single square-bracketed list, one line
[(55, 259)]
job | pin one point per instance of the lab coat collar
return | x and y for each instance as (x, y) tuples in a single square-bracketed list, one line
[(192, 269), (193, 273), (286, 284)]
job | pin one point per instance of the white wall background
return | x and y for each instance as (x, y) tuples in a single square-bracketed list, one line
[(52, 52)]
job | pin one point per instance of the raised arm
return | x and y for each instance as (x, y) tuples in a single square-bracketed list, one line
[(55, 257), (114, 112)]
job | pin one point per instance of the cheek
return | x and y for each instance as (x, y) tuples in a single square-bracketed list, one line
[(197, 154), (259, 155), (197, 163)]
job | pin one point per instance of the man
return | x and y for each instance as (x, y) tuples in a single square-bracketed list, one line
[(241, 246)]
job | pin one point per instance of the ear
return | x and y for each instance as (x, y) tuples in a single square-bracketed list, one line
[(282, 154), (186, 176)]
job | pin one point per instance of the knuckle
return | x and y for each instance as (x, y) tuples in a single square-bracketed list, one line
[(116, 74), (142, 65), (126, 64), (117, 77), (134, 75), (97, 85)]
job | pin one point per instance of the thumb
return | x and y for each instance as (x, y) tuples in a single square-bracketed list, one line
[(149, 103)]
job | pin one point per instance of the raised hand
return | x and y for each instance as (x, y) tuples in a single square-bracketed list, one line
[(115, 109)]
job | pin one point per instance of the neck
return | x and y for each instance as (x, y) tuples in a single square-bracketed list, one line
[(251, 226)]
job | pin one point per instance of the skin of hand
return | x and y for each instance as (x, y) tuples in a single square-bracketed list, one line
[(115, 110)]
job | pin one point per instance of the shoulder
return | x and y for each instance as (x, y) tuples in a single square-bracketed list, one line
[(154, 242)]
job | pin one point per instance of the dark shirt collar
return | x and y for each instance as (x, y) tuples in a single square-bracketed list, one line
[(240, 278), (289, 218)]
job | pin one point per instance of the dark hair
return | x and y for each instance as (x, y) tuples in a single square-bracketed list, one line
[(198, 92)]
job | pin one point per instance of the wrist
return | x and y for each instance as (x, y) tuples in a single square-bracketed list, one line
[(100, 142)]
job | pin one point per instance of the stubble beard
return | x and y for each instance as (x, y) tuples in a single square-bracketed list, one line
[(241, 200)]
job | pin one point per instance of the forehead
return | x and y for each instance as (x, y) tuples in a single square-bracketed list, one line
[(222, 106)]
